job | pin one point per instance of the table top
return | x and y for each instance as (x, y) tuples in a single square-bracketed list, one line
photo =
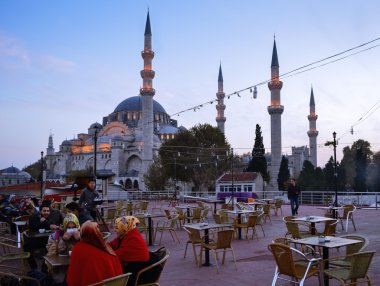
[(241, 211), (329, 208), (255, 203), (332, 242), (58, 260), (312, 219), (213, 201), (149, 215), (203, 226), (21, 222), (188, 207), (46, 234)]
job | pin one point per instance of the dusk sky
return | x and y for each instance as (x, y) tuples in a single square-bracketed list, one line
[(66, 64)]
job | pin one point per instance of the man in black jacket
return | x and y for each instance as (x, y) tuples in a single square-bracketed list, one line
[(293, 193)]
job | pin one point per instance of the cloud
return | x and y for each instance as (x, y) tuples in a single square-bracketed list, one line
[(53, 63), (12, 49)]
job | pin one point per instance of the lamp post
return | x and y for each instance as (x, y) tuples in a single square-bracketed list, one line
[(232, 178), (42, 173), (335, 173), (95, 148)]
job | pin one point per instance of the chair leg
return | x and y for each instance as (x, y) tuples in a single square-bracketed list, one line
[(195, 255), (200, 257), (184, 256), (233, 255), (216, 261), (353, 223)]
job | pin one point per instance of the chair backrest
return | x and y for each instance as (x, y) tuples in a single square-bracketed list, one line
[(293, 229), (260, 215), (168, 214), (197, 213), (180, 212), (171, 223), (224, 238), (150, 275), (284, 259), (110, 213), (129, 207), (278, 203), (120, 280), (266, 209), (252, 219), (348, 210), (217, 218), (330, 227), (288, 218), (144, 205), (360, 264), (205, 212), (282, 240), (357, 247), (194, 234)]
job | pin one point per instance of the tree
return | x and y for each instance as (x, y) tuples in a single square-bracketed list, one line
[(258, 163), (155, 178), (360, 184), (198, 155), (373, 173), (306, 178), (283, 173), (348, 161)]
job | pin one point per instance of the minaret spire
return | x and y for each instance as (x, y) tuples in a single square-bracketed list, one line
[(275, 109), (220, 107), (147, 92), (312, 133), (50, 148)]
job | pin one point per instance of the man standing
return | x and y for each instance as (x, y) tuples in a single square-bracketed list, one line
[(86, 200), (293, 193)]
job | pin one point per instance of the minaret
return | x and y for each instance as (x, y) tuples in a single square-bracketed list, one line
[(312, 133), (50, 148), (147, 92), (275, 110), (220, 107)]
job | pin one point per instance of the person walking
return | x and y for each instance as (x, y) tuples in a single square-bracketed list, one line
[(86, 200), (293, 193)]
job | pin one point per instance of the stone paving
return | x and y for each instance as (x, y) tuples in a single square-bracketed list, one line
[(255, 264)]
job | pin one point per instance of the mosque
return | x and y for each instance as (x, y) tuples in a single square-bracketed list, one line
[(128, 137)]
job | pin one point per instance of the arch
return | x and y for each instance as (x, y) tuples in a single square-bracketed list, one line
[(128, 183), (134, 163), (107, 164), (136, 184)]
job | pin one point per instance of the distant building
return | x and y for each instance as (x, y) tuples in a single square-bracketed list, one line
[(12, 176), (126, 139), (241, 185)]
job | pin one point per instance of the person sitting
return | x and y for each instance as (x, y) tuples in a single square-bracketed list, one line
[(80, 213), (60, 243), (92, 260), (130, 246), (55, 215), (63, 240), (36, 222)]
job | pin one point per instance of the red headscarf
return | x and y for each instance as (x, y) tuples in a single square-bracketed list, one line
[(91, 234)]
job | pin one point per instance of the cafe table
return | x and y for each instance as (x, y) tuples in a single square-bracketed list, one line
[(57, 265), (239, 213), (149, 216), (205, 227), (328, 243), (187, 208), (213, 201), (312, 220)]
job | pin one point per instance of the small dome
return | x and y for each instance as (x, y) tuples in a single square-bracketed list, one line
[(96, 125), (11, 170), (66, 143), (134, 103)]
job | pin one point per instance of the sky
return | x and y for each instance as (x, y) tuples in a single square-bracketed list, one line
[(66, 64)]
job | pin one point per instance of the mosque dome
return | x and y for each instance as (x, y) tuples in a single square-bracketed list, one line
[(66, 143), (134, 103), (11, 170), (96, 125)]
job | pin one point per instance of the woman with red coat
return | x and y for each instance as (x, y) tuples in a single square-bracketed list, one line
[(130, 246), (92, 260)]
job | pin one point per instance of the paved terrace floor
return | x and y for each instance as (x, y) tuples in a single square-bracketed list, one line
[(255, 264)]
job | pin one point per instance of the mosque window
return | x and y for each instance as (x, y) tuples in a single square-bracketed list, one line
[(140, 115), (162, 136), (167, 136), (172, 136)]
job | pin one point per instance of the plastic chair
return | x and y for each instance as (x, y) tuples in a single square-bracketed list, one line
[(251, 223), (222, 243), (350, 249), (195, 239), (294, 231), (150, 275), (294, 264), (277, 206), (259, 220), (348, 214), (120, 280), (266, 209), (330, 228), (168, 225), (358, 269)]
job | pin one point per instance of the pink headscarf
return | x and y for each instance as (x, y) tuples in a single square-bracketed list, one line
[(91, 234)]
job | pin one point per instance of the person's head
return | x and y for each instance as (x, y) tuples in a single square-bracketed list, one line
[(292, 181), (70, 221), (35, 201), (91, 234), (73, 207), (45, 211), (29, 207), (12, 198), (125, 224), (91, 184)]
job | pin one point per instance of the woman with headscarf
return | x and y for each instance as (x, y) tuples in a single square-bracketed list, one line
[(130, 246), (92, 260), (63, 240)]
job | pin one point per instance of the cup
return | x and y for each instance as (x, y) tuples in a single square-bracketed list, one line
[(41, 230), (70, 251)]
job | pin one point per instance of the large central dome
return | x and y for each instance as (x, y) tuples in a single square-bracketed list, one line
[(134, 103)]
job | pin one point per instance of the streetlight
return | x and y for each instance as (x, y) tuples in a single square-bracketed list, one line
[(335, 173), (42, 173), (334, 143), (95, 144)]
